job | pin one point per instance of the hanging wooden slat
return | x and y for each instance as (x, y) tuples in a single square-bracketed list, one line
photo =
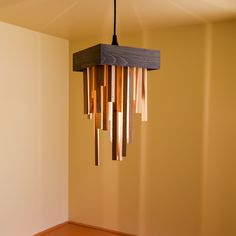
[(134, 70), (110, 118), (85, 91), (104, 106), (92, 89), (114, 132), (119, 78), (139, 91), (111, 83), (119, 135), (88, 93), (124, 121), (96, 134), (144, 95), (130, 104), (98, 79)]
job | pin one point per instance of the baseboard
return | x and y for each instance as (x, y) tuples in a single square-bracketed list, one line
[(82, 225), (100, 228)]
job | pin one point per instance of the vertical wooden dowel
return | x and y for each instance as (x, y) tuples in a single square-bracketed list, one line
[(111, 83), (104, 104), (131, 105), (102, 101), (92, 89), (139, 91), (144, 95), (88, 93), (85, 91), (110, 115), (105, 75), (119, 135), (125, 100), (98, 79), (114, 132), (111, 98), (96, 133), (119, 88), (134, 70)]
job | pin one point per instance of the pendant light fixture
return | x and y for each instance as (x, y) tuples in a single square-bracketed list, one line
[(115, 88)]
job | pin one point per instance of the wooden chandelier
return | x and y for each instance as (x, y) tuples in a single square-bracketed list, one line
[(115, 88)]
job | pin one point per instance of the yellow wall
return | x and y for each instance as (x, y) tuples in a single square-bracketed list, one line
[(219, 175), (178, 178), (33, 131)]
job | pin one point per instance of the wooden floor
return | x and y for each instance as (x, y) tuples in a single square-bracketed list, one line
[(77, 230)]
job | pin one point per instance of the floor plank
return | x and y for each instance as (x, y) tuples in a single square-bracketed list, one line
[(76, 230)]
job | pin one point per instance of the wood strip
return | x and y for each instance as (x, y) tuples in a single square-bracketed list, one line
[(89, 93), (130, 114), (119, 77), (97, 80), (110, 105), (134, 85), (91, 89), (114, 132), (125, 100), (96, 133), (85, 91), (107, 103), (119, 135), (144, 95), (105, 75), (111, 83), (104, 106), (139, 91), (102, 101)]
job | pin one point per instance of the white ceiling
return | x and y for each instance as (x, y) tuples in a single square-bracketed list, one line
[(75, 19)]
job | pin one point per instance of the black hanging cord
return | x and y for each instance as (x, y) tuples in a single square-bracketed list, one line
[(114, 38)]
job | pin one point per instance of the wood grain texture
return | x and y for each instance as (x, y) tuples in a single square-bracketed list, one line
[(104, 54), (72, 228)]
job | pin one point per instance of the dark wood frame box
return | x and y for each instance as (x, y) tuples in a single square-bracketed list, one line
[(105, 54)]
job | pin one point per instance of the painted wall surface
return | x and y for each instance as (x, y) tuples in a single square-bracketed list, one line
[(33, 131), (178, 178), (219, 175)]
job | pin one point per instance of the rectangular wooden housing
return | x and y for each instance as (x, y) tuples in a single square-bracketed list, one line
[(104, 54)]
